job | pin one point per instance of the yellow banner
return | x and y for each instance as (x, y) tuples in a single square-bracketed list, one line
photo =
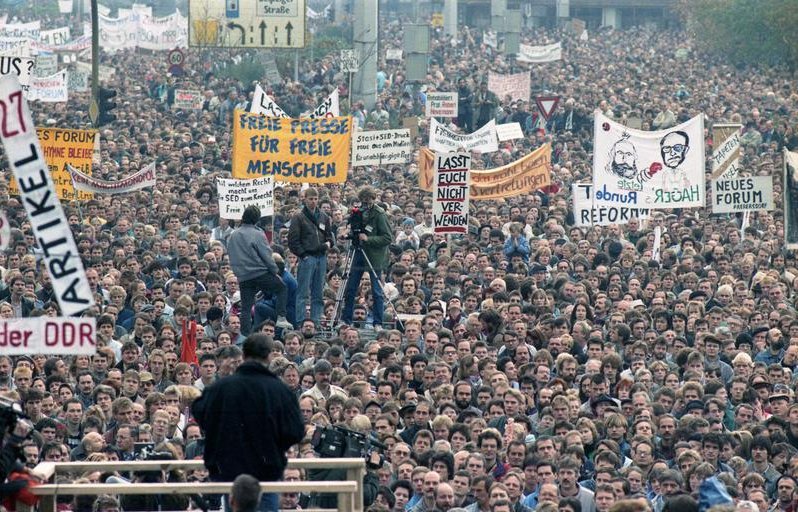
[(294, 150), (61, 147), (525, 175)]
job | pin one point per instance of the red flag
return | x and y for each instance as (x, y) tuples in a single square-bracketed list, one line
[(188, 342)]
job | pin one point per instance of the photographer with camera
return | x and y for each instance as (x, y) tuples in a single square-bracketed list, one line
[(371, 235), (338, 441), (14, 429)]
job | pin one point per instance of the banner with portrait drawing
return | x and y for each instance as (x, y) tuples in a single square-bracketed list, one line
[(654, 170)]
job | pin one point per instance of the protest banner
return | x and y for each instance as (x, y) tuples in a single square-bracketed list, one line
[(394, 54), (658, 169), (742, 194), (5, 231), (523, 176), (263, 104), (50, 89), (441, 104), (293, 150), (77, 81), (21, 67), (188, 100), (57, 336), (350, 61), (381, 147), (59, 148), (22, 30), (539, 54), (144, 178), (509, 131), (516, 86), (55, 37), (586, 213), (162, 34), (16, 47), (444, 140), (490, 38), (328, 108), (236, 195), (790, 199), (46, 65), (725, 151), (38, 195), (450, 194)]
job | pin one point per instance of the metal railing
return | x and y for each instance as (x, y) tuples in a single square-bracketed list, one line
[(349, 491)]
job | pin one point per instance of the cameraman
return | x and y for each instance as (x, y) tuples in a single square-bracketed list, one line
[(371, 238), (371, 483)]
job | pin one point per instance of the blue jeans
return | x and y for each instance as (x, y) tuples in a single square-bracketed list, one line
[(359, 267), (311, 273), (267, 283)]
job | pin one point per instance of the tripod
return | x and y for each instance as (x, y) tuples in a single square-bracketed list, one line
[(355, 248)]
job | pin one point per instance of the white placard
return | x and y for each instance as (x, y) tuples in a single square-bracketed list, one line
[(55, 37), (188, 100), (381, 147), (47, 335), (21, 67), (450, 193), (394, 54), (236, 195), (16, 47), (658, 169), (38, 194), (50, 89), (516, 86), (586, 213), (742, 194), (349, 61), (444, 140), (539, 54), (441, 104), (46, 65), (509, 131), (78, 81)]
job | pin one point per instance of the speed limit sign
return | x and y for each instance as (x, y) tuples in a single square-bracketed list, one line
[(176, 57)]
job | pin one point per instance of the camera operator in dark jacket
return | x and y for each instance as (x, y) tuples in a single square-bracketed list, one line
[(309, 238), (371, 240), (250, 419)]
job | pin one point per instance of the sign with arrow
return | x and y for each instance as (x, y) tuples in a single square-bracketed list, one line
[(247, 23), (547, 105)]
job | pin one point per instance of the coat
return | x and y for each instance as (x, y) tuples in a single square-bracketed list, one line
[(250, 254), (308, 236), (250, 419), (379, 238)]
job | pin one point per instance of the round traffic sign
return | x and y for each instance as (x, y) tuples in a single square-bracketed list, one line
[(176, 57)]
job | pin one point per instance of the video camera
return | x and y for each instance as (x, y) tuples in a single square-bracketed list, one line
[(333, 441), (10, 414), (357, 224)]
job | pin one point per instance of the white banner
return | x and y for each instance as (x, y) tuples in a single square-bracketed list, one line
[(393, 54), (441, 104), (38, 194), (726, 150), (236, 195), (55, 37), (5, 231), (263, 104), (16, 47), (586, 213), (637, 169), (144, 178), (381, 147), (47, 335), (350, 61), (20, 67), (509, 131), (162, 34), (450, 193), (444, 140), (78, 81), (327, 108), (790, 199), (50, 89), (539, 54), (517, 86), (490, 38), (742, 194), (27, 30), (46, 65), (188, 100)]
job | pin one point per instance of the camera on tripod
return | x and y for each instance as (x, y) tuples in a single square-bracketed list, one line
[(357, 224), (334, 441), (11, 414)]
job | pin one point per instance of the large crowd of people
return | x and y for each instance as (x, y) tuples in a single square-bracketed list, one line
[(528, 365)]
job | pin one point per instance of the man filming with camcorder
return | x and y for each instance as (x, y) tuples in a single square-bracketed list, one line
[(341, 442), (371, 235)]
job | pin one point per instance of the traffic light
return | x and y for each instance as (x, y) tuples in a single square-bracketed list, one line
[(106, 105)]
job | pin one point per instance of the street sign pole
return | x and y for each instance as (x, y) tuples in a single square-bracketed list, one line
[(94, 109)]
